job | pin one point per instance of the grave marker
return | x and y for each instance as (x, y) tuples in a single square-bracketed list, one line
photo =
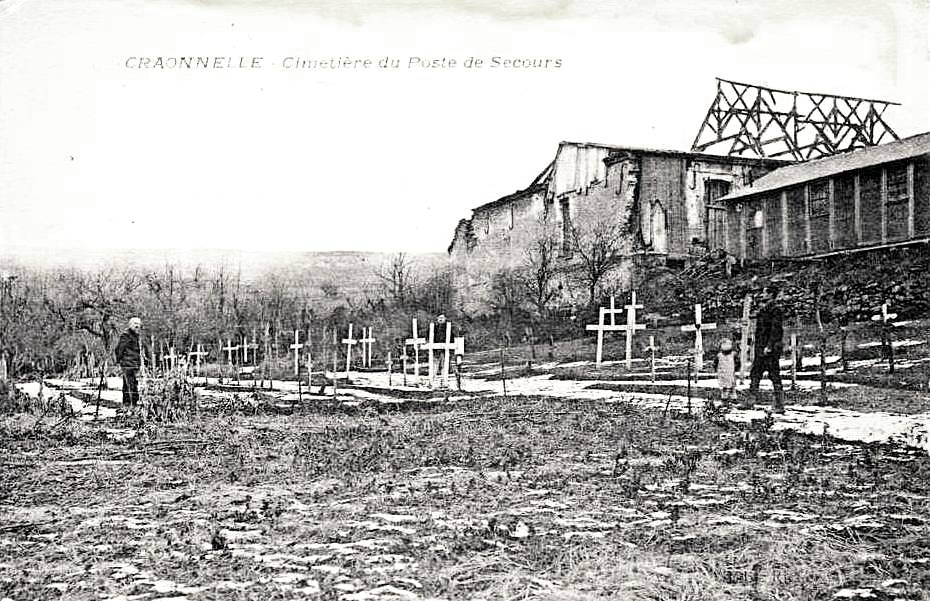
[(631, 327), (172, 359), (884, 317), (246, 345), (403, 359), (389, 363), (600, 327), (429, 351), (310, 359), (230, 349), (447, 347), (267, 340), (698, 327), (652, 357), (367, 341), (335, 361), (197, 355), (296, 348), (459, 354), (745, 326), (794, 361), (349, 342), (415, 342)]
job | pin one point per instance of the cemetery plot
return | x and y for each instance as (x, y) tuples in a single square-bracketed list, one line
[(569, 478)]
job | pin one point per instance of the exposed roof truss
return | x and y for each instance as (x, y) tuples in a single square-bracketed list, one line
[(755, 121)]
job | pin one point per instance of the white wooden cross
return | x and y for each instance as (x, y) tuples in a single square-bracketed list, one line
[(367, 341), (744, 328), (884, 316), (415, 342), (794, 361), (246, 345), (447, 347), (652, 361), (601, 326), (349, 342), (296, 348), (197, 354), (697, 327), (631, 327), (230, 349), (4, 372), (171, 359), (403, 359)]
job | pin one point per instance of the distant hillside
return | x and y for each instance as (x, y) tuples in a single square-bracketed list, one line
[(352, 272)]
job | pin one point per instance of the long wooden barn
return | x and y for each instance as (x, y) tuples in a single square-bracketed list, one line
[(867, 198)]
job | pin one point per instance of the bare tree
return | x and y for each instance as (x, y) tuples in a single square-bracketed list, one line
[(539, 267), (601, 240), (397, 278), (94, 302), (507, 293)]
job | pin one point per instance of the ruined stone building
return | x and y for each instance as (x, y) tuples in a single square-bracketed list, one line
[(858, 200), (661, 196)]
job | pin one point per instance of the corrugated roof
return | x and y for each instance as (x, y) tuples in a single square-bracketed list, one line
[(862, 158)]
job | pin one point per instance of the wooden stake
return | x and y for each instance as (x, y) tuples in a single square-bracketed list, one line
[(652, 357), (744, 327), (822, 335), (698, 327), (503, 374), (335, 362)]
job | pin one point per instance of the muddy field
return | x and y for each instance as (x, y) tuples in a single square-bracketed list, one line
[(475, 497)]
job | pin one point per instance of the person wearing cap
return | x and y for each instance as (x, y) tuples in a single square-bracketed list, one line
[(129, 359), (768, 349), (727, 363)]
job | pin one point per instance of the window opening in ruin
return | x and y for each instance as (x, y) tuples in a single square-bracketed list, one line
[(754, 234), (659, 227), (566, 228), (897, 184), (819, 199), (714, 189)]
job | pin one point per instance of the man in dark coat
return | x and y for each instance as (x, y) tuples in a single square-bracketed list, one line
[(768, 350), (129, 358)]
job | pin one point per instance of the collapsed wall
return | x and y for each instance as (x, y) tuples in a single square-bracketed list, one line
[(661, 200)]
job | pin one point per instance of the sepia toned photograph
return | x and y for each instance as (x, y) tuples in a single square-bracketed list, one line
[(554, 300)]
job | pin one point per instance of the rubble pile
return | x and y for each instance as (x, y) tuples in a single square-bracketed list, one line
[(854, 286)]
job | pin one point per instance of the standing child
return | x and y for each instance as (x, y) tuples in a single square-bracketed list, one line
[(727, 363)]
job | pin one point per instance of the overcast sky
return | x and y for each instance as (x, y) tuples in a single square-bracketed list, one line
[(94, 154)]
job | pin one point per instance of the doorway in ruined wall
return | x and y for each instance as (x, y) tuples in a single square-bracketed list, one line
[(754, 233), (715, 214), (716, 227)]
